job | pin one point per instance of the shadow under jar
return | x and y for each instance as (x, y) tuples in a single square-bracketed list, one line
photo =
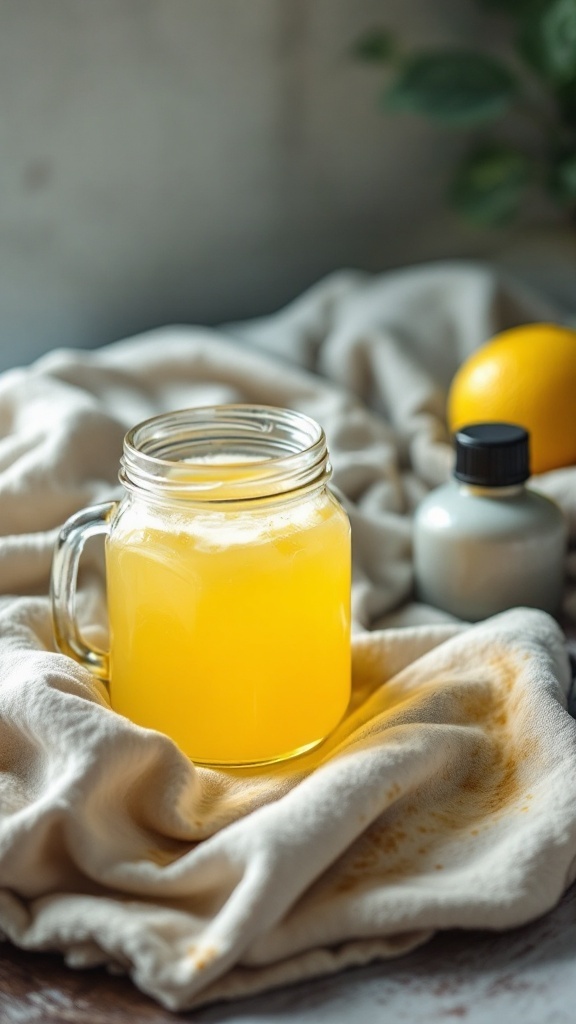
[(228, 584)]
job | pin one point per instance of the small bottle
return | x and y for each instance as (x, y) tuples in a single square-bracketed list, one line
[(484, 542)]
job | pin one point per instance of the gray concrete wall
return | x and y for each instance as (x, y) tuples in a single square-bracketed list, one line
[(198, 160)]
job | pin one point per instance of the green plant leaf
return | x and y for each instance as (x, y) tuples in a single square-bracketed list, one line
[(490, 184), (566, 96), (562, 181), (377, 46), (458, 87), (548, 38)]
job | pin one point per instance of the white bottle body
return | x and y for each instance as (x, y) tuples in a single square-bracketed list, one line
[(481, 550)]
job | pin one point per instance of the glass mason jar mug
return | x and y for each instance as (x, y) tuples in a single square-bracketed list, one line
[(228, 584)]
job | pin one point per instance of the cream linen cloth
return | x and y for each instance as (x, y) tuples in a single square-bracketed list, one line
[(446, 796)]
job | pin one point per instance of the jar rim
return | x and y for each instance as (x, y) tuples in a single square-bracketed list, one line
[(223, 453)]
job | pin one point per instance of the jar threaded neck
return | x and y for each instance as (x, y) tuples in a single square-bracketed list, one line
[(224, 453)]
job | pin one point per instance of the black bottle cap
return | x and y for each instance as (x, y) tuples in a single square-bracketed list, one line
[(492, 454)]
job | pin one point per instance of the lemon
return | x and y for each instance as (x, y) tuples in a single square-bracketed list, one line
[(526, 375)]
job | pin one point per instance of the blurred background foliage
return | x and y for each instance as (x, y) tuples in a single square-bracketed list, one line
[(532, 81)]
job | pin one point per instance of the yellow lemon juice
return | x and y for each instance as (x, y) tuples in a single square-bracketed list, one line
[(230, 631)]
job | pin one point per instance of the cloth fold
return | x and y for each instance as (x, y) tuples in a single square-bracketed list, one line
[(443, 798)]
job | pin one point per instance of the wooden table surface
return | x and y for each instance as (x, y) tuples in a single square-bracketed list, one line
[(525, 976)]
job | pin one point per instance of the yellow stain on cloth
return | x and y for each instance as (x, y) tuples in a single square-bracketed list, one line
[(484, 783), (202, 956)]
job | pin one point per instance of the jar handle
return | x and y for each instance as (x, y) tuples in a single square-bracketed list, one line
[(89, 522)]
